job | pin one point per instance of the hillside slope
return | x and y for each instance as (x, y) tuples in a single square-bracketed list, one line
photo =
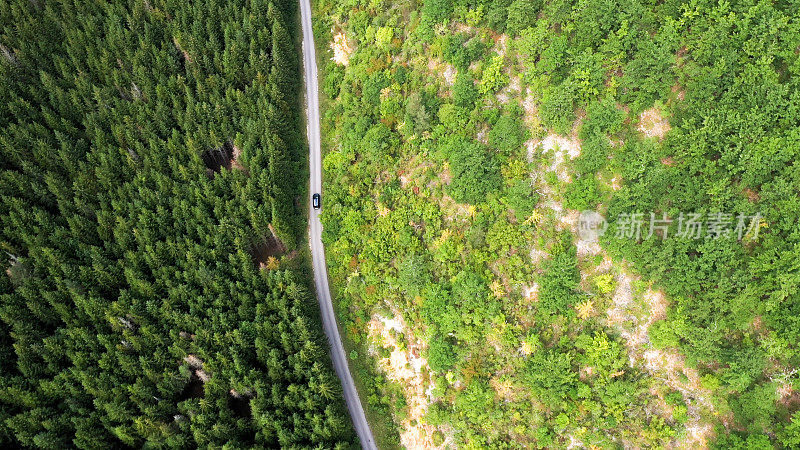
[(463, 140)]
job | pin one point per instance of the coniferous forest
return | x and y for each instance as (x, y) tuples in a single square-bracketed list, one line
[(155, 289)]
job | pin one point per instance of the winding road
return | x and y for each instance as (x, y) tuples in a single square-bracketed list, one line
[(315, 228)]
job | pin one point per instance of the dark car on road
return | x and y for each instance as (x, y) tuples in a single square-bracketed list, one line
[(316, 201)]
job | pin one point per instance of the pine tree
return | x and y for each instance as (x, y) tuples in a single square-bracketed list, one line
[(130, 257)]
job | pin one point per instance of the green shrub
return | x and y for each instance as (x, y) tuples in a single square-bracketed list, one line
[(581, 194), (594, 155), (497, 14), (521, 15), (663, 335), (557, 293), (557, 111), (522, 199), (438, 438), (442, 355), (493, 77), (465, 94), (437, 11), (508, 134), (476, 173)]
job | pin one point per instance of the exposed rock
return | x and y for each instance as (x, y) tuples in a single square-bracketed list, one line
[(342, 49)]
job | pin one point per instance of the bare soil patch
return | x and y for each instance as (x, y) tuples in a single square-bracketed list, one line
[(632, 314), (342, 48), (751, 195), (444, 70), (531, 110), (679, 91), (653, 124), (561, 148), (512, 90)]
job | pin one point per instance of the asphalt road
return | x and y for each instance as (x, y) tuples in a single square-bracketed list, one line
[(315, 227)]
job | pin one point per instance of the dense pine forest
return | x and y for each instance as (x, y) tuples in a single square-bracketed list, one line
[(154, 290)]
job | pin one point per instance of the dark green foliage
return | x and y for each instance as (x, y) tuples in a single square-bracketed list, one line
[(474, 303), (372, 88), (522, 199), (134, 313), (414, 275), (733, 148), (454, 50), (461, 51), (465, 94), (476, 173), (508, 134), (756, 407), (521, 15), (558, 285), (550, 376), (737, 441), (442, 355), (595, 149), (417, 118), (497, 14), (437, 11), (650, 75), (789, 435), (724, 75), (558, 108), (603, 120), (581, 194), (602, 117)]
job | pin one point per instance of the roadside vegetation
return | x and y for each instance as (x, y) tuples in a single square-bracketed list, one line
[(463, 139), (155, 289)]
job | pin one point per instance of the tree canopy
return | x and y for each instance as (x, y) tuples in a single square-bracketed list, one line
[(151, 153)]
